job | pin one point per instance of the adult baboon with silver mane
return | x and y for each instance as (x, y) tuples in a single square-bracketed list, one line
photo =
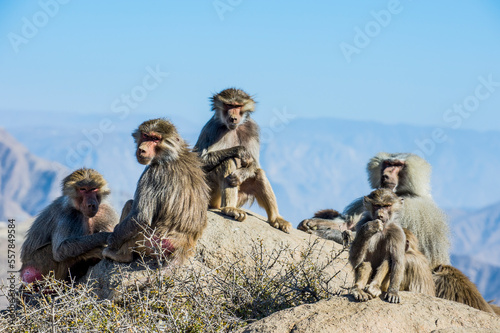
[(408, 175)]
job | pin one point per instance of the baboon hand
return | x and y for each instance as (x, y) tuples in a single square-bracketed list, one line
[(282, 224), (360, 295), (309, 225), (374, 226), (373, 290), (244, 155), (347, 237), (234, 179), (392, 296)]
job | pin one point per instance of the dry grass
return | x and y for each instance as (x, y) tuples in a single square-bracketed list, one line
[(188, 299)]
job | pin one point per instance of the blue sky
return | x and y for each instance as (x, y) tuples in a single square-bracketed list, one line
[(411, 67)]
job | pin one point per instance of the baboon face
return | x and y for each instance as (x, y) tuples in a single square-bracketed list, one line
[(383, 213), (87, 201), (383, 204), (391, 170), (232, 115), (147, 147)]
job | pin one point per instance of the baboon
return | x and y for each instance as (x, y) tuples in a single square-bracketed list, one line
[(417, 275), (453, 285), (494, 307), (229, 148), (408, 175), (379, 248), (71, 230), (169, 209)]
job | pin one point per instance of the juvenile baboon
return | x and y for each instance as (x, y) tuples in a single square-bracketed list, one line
[(170, 203), (229, 148), (379, 248), (453, 285), (417, 274), (408, 175), (72, 229)]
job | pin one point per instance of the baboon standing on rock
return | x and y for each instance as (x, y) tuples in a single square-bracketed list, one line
[(169, 210), (72, 229), (229, 148), (408, 175)]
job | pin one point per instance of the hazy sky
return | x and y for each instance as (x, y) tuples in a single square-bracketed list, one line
[(392, 61)]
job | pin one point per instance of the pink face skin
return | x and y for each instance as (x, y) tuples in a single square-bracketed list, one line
[(88, 201), (146, 149), (390, 174), (232, 115)]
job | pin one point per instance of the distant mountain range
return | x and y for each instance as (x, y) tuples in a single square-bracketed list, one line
[(27, 183)]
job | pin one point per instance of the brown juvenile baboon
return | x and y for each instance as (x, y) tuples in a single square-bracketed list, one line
[(229, 148), (417, 275), (453, 285), (379, 248), (71, 230), (408, 175), (169, 210)]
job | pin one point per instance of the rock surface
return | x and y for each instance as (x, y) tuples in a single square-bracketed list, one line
[(416, 313), (225, 241)]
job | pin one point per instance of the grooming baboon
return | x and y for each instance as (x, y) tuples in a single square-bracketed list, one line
[(229, 148), (379, 248), (169, 210), (408, 175), (453, 285), (71, 230)]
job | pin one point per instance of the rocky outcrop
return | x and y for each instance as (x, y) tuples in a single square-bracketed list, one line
[(228, 241), (416, 313)]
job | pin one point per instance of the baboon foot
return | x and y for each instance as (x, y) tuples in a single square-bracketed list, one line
[(119, 256), (374, 291), (282, 224), (360, 295), (392, 296), (310, 225), (235, 213)]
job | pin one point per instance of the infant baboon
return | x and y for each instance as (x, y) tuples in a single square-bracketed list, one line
[(379, 247)]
